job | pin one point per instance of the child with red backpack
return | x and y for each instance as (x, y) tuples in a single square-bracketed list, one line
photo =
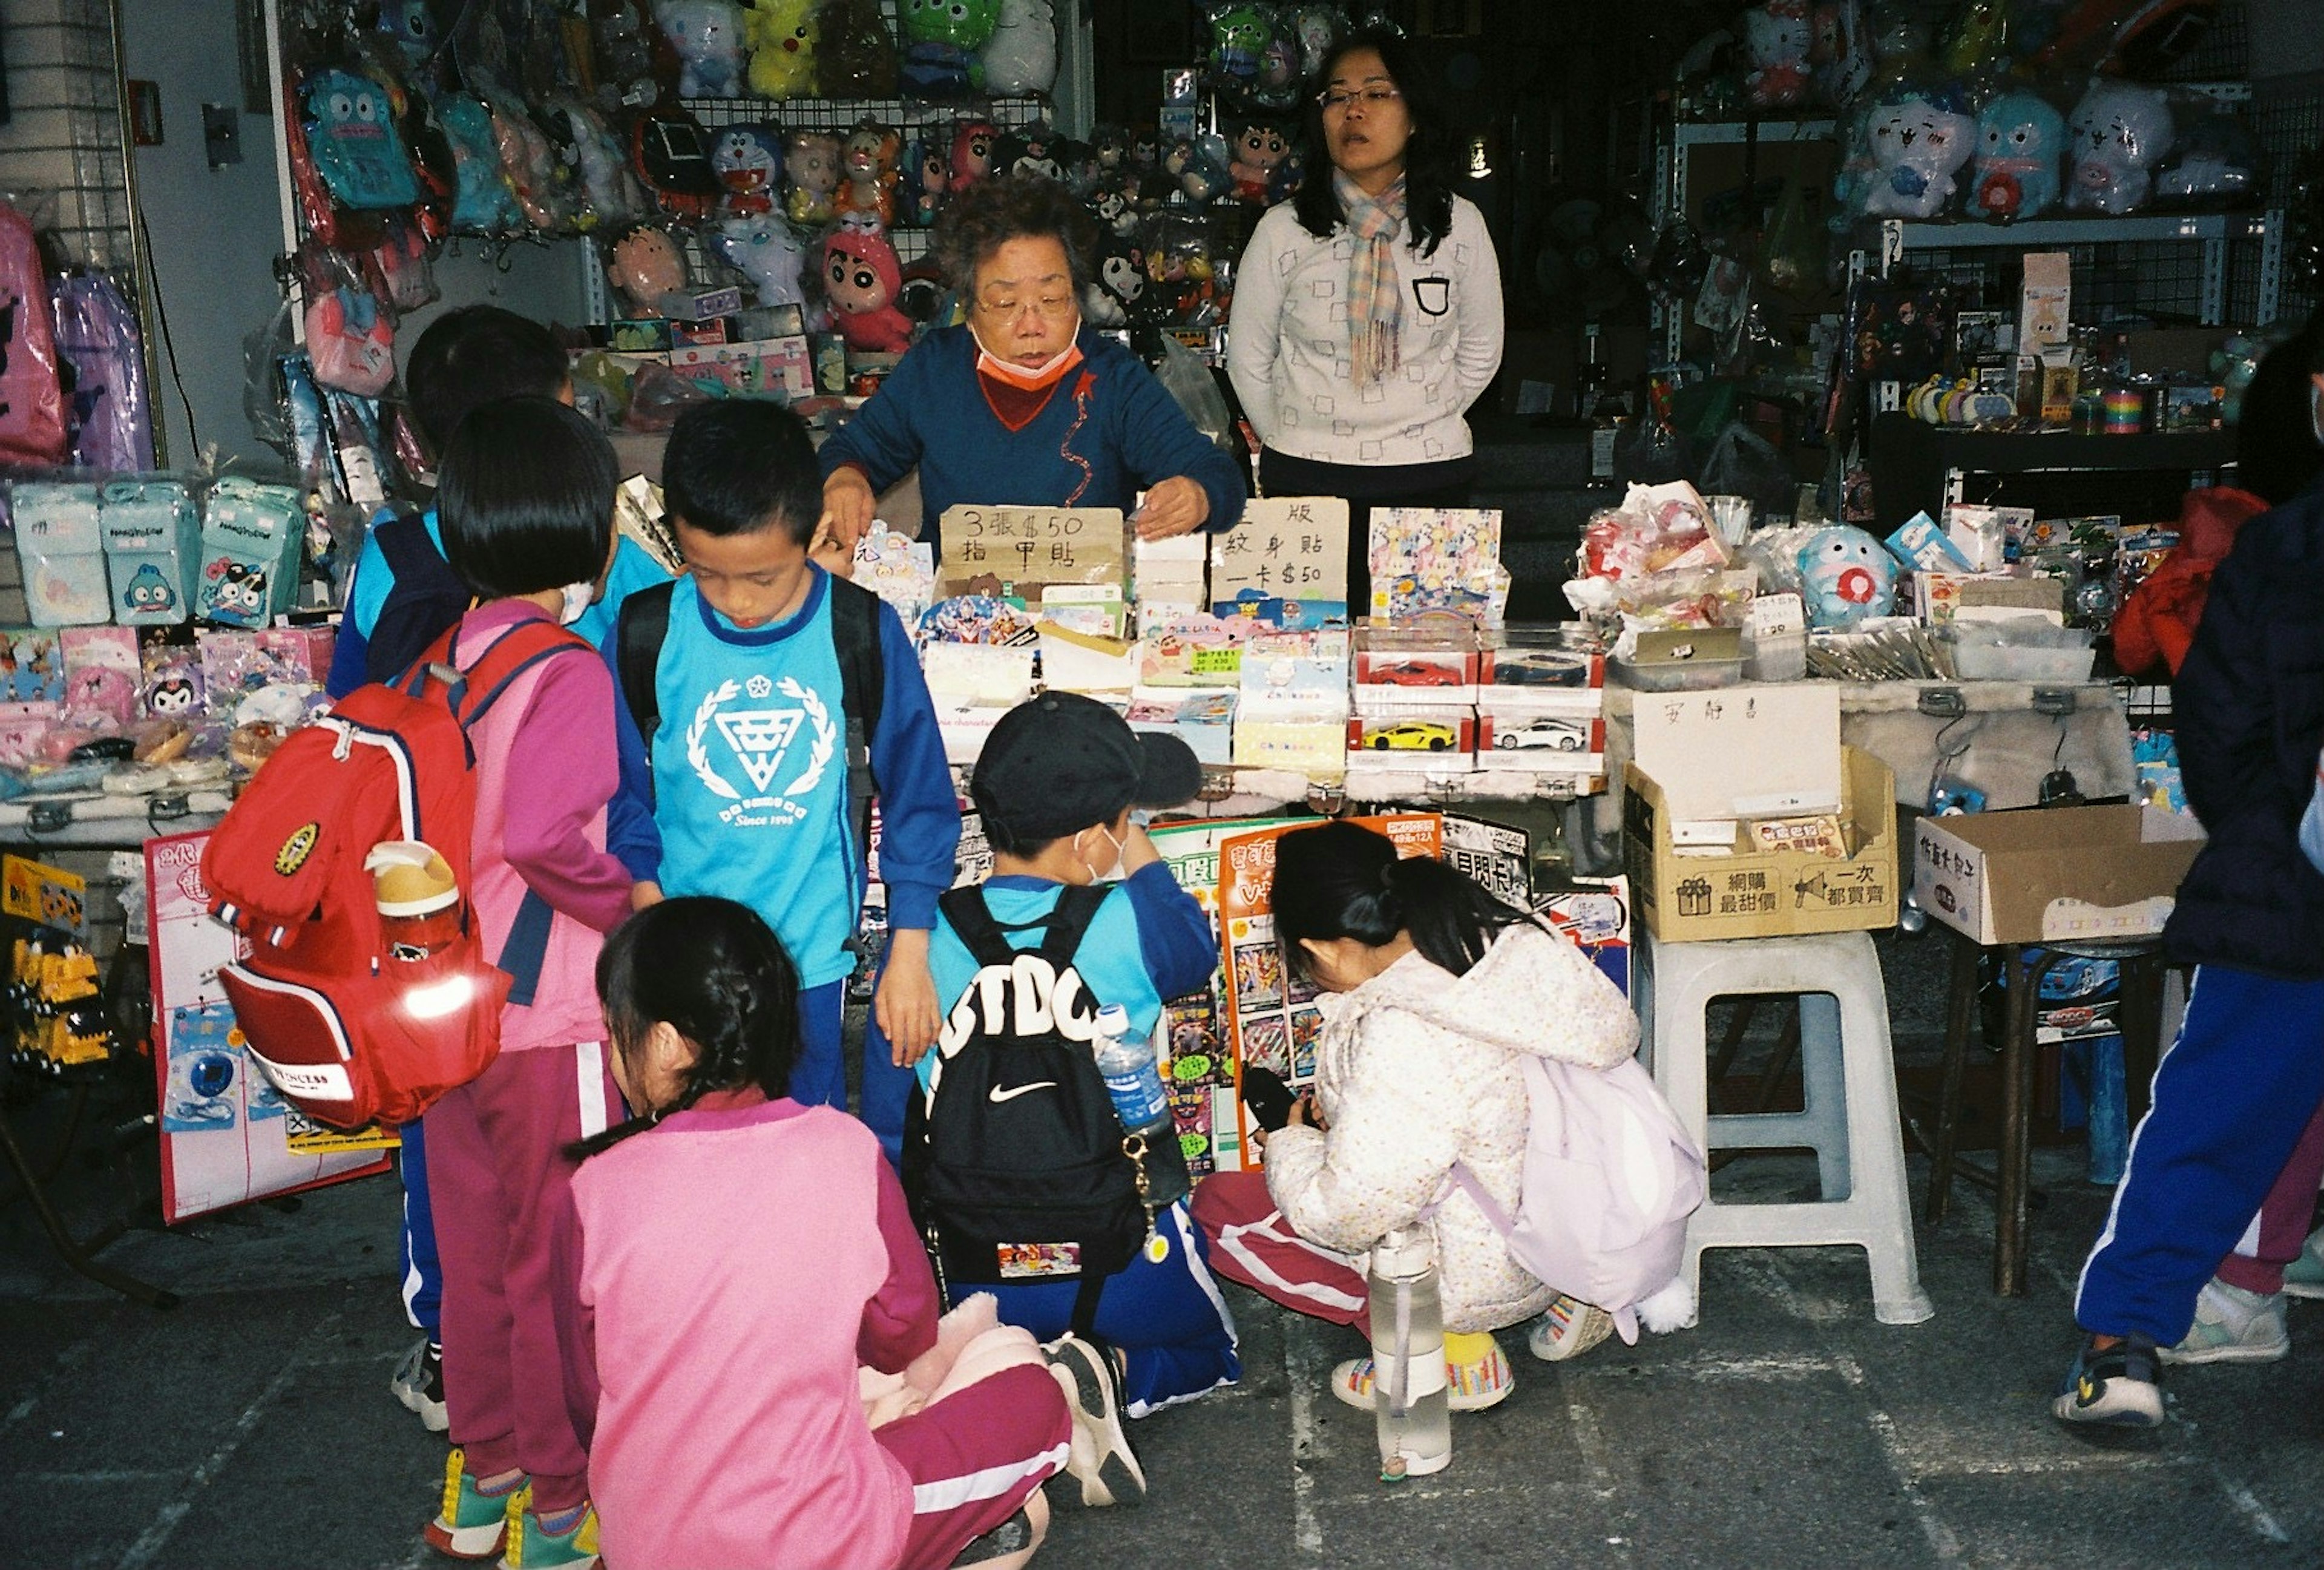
[(526, 501)]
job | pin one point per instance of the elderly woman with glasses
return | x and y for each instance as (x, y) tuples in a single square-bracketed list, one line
[(1367, 311), (1023, 405)]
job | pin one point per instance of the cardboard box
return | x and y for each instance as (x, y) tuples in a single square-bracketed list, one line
[(2093, 874), (1686, 897)]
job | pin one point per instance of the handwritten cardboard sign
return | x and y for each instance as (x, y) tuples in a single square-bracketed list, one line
[(1020, 550), (1285, 563)]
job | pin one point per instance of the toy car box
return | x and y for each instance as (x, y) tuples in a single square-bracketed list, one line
[(1550, 743), (1442, 739)]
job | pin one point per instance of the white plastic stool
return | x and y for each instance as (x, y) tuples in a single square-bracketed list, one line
[(1847, 1072)]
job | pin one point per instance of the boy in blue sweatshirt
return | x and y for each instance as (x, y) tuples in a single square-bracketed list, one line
[(747, 768)]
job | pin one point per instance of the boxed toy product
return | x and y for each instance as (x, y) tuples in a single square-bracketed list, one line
[(1438, 739), (63, 551), (152, 536), (101, 672), (30, 671)]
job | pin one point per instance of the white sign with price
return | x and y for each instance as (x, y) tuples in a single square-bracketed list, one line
[(1742, 752), (1021, 549), (1289, 548)]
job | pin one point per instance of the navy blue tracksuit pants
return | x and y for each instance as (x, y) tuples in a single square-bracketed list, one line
[(2232, 1097)]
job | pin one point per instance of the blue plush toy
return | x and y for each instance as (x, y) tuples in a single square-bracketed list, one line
[(1846, 577), (2020, 138), (350, 126)]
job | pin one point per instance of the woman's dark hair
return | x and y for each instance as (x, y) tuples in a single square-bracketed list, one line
[(525, 497), (1014, 207), (477, 355), (714, 972), (1428, 155), (1342, 879), (740, 465)]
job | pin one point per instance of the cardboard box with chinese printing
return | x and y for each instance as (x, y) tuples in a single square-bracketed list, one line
[(2092, 874), (1686, 898)]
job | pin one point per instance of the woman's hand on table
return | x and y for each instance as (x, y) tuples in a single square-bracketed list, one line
[(848, 506), (1172, 507)]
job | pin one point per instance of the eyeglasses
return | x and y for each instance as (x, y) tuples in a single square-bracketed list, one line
[(1336, 103), (1006, 308)]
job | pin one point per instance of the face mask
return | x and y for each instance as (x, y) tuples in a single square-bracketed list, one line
[(578, 599), (1048, 373), (1113, 873)]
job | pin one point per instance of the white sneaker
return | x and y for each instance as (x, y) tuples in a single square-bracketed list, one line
[(2304, 1277), (2233, 1325)]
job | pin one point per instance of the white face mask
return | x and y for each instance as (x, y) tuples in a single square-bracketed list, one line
[(578, 599), (1112, 874)]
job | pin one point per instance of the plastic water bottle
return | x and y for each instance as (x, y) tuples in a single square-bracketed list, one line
[(1131, 1076), (1410, 1404)]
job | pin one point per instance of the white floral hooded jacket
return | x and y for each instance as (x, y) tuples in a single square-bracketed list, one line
[(1419, 1069)]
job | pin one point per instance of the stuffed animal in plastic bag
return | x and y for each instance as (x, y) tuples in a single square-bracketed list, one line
[(1259, 150), (1846, 575), (2118, 133), (927, 180), (351, 341), (623, 43), (1199, 165), (646, 266), (749, 162), (856, 57), (941, 40), (1777, 38), (782, 35), (32, 394), (707, 36), (482, 201), (973, 143), (2215, 161), (861, 279), (1317, 28), (598, 175), (349, 122), (1034, 150), (1112, 205), (670, 153), (1919, 140), (2020, 141), (765, 250), (1839, 61), (533, 171), (1240, 36), (1022, 57), (411, 28), (1111, 294), (811, 168), (97, 333), (867, 170)]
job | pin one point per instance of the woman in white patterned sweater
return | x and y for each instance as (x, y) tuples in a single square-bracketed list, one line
[(1368, 309), (1435, 992)]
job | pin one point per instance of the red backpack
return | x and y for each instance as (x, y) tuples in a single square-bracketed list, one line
[(355, 1013)]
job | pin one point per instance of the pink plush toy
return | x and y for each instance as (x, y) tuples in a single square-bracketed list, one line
[(860, 277)]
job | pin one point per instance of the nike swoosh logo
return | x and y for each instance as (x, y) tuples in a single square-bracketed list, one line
[(1014, 1091)]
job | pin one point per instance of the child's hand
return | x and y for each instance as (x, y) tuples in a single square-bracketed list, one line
[(905, 1004), (645, 894)]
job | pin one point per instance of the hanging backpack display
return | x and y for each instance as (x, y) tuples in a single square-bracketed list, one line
[(32, 398), (349, 122), (670, 154), (482, 201), (1016, 1166), (112, 419), (367, 993)]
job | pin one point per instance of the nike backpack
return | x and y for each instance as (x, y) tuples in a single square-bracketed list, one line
[(350, 1024), (1016, 1167)]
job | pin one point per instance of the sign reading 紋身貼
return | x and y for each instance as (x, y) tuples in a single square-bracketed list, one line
[(1285, 563)]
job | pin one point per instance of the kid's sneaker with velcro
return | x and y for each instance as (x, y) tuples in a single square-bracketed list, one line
[(2233, 1325), (532, 1545), (472, 1523), (2120, 1387), (2304, 1277)]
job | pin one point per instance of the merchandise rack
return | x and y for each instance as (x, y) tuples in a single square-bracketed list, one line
[(2140, 262)]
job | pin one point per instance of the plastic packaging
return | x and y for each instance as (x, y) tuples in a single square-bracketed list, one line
[(112, 417), (32, 398), (1411, 1407), (1133, 1078), (1195, 388)]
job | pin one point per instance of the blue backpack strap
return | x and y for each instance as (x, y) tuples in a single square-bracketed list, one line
[(863, 688)]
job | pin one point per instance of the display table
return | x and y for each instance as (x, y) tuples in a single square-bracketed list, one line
[(100, 822)]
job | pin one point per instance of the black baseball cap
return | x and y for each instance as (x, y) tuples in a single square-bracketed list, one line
[(1064, 762)]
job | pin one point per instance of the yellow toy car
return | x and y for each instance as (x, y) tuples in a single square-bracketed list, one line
[(1412, 736)]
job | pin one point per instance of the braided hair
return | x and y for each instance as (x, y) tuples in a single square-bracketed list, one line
[(1342, 879), (712, 971)]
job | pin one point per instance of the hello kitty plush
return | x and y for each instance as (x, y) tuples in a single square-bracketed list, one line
[(708, 37), (782, 35), (861, 279), (1022, 57), (811, 165), (2118, 133), (765, 250), (1918, 141), (1847, 576), (1776, 37), (2020, 137)]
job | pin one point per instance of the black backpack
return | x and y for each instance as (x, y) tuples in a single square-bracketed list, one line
[(1016, 1167), (427, 597)]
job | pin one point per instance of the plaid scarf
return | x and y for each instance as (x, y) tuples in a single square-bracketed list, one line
[(1375, 299)]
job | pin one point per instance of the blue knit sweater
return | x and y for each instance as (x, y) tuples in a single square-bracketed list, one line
[(1108, 432)]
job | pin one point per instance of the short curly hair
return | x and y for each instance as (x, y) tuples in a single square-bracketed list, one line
[(994, 211)]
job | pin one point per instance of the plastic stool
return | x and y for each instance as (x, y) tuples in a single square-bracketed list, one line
[(1848, 1073)]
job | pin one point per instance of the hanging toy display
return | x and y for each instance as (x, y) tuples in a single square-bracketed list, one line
[(482, 201), (646, 264), (1259, 152), (2118, 133), (942, 38), (927, 180), (349, 124), (781, 36), (2020, 141), (708, 37), (860, 280), (811, 170), (749, 162), (765, 250), (972, 145), (868, 172), (1022, 57), (1917, 141), (855, 57), (1847, 576), (1776, 40)]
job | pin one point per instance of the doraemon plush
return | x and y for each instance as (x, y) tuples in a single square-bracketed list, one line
[(2020, 137), (748, 160), (782, 35), (2118, 133), (1918, 141), (706, 35), (1776, 37), (1022, 57), (1846, 577), (764, 250)]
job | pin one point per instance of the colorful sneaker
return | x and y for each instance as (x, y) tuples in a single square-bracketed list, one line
[(1101, 1457), (531, 1546), (2118, 1388), (418, 1384), (1471, 1386), (1568, 1328), (2233, 1325), (2304, 1277), (472, 1524)]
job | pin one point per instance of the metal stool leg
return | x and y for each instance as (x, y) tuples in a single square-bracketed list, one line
[(72, 1250), (1961, 1022)]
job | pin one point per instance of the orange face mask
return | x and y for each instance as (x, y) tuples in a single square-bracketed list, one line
[(1027, 379)]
